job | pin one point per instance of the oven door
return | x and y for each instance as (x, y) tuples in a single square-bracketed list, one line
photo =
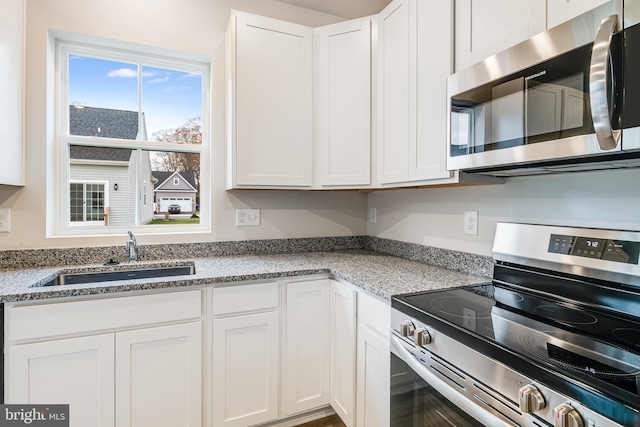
[(415, 403), (420, 399)]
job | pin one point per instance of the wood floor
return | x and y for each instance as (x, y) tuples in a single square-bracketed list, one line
[(332, 421)]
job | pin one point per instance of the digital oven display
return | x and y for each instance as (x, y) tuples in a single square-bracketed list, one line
[(623, 251)]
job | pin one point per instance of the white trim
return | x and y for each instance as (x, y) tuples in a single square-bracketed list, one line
[(63, 43)]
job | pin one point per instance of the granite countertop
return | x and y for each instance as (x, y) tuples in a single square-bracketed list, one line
[(377, 273)]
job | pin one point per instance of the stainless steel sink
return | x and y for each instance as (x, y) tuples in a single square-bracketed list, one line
[(109, 276)]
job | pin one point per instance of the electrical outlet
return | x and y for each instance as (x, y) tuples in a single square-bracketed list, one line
[(247, 217), (373, 215), (471, 222)]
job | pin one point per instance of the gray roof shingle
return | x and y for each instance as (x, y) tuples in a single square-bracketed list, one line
[(79, 152), (103, 122)]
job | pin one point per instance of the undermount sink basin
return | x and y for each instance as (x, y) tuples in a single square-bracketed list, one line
[(109, 276)]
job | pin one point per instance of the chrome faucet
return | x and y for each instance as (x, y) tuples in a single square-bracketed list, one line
[(132, 245)]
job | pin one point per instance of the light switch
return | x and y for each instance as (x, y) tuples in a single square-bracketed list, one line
[(5, 220)]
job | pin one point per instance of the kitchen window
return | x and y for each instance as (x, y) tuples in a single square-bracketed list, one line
[(128, 118)]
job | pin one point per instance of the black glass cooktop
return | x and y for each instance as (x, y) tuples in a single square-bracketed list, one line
[(598, 347)]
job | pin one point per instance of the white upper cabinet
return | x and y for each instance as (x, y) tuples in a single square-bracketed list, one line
[(342, 103), (414, 59), (269, 97), (559, 11), (486, 27), (434, 63), (395, 91), (12, 39)]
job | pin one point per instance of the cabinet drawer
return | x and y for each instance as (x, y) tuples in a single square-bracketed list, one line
[(44, 320), (233, 299)]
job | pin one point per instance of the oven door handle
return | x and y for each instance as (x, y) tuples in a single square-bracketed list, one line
[(598, 82), (399, 350)]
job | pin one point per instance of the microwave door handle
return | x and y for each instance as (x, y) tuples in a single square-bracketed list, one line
[(598, 83)]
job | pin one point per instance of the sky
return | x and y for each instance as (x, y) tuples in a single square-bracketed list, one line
[(169, 97)]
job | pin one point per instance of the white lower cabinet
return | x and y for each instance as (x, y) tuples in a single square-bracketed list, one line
[(276, 350), (159, 376), (245, 369), (359, 356), (306, 357), (246, 354), (343, 351), (76, 371), (129, 378), (372, 388)]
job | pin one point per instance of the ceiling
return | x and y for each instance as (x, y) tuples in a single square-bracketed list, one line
[(348, 9)]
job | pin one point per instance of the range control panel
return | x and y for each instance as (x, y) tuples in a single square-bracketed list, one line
[(622, 251)]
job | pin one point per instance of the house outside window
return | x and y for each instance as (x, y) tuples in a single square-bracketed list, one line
[(121, 114)]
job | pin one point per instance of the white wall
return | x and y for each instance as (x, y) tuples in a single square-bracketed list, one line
[(195, 26), (434, 217)]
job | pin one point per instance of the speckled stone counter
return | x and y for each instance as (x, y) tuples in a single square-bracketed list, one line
[(378, 273)]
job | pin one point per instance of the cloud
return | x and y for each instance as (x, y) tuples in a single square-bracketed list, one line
[(174, 88), (123, 72), (158, 80)]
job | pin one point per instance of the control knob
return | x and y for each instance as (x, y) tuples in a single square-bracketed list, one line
[(566, 416), (421, 337), (531, 400), (406, 328)]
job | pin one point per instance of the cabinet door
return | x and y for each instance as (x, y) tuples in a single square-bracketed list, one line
[(159, 376), (307, 345), (343, 354), (373, 378), (343, 103), (396, 86), (559, 11), (486, 27), (432, 20), (78, 372), (273, 108), (12, 36), (245, 369)]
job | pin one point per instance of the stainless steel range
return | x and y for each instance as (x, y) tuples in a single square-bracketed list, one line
[(552, 340)]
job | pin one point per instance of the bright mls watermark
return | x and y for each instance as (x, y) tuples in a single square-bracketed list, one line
[(34, 415)]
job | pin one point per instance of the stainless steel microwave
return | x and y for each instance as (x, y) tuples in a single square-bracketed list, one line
[(567, 99)]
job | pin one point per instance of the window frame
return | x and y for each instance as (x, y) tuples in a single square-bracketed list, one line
[(65, 44)]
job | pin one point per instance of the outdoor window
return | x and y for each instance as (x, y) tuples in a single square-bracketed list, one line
[(130, 123), (87, 201)]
